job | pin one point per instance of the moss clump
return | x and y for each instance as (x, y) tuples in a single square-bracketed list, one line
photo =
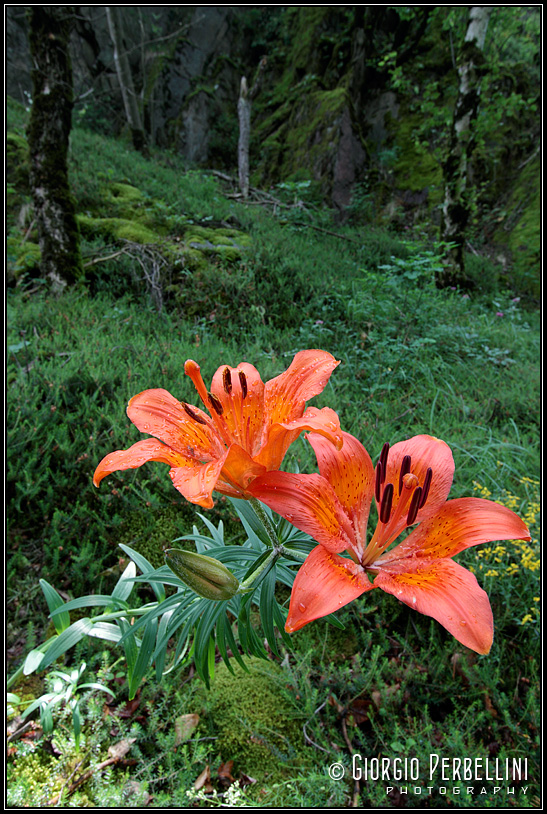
[(201, 242), (34, 778), (253, 720), (125, 193), (117, 229), (148, 532)]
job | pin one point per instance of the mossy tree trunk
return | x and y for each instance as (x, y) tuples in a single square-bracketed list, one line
[(457, 203), (48, 138)]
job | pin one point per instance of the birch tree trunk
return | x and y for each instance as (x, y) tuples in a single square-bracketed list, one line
[(125, 79), (244, 117), (456, 205), (48, 138)]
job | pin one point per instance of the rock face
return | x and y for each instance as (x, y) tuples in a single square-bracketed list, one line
[(197, 83)]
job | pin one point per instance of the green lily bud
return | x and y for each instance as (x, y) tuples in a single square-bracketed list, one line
[(204, 575)]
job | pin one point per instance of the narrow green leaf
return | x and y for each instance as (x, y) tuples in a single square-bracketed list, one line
[(143, 659), (46, 719), (105, 630), (67, 639), (129, 646), (92, 685), (124, 585), (161, 652), (91, 601), (267, 601), (43, 700), (54, 601), (146, 568), (232, 645), (77, 725), (221, 640)]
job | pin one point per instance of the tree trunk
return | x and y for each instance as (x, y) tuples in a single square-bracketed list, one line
[(48, 138), (125, 79), (244, 116), (457, 204)]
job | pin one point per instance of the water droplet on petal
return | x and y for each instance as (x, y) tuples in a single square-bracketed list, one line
[(462, 623), (301, 607)]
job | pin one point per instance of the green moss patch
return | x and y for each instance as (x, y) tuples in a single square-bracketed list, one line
[(415, 168), (117, 229), (254, 722)]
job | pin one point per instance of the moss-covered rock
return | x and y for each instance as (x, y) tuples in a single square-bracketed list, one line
[(117, 229), (253, 720)]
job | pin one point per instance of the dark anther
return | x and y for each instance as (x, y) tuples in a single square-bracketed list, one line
[(243, 383), (383, 460), (227, 380), (379, 480), (216, 404), (414, 506), (385, 507), (405, 469), (193, 415), (425, 487)]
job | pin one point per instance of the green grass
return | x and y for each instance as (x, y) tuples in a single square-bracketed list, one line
[(413, 360)]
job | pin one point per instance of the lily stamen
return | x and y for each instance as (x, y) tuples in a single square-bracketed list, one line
[(425, 488), (405, 469), (192, 414), (388, 529), (227, 381), (385, 506), (415, 504), (243, 383)]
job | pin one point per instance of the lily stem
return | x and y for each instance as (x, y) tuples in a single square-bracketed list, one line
[(267, 524)]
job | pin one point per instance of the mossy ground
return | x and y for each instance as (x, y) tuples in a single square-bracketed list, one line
[(254, 722)]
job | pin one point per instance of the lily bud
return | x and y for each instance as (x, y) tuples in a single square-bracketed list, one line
[(205, 576)]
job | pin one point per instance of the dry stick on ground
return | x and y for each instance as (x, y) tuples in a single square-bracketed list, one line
[(267, 199)]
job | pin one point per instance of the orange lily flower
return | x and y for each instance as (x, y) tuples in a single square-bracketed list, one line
[(410, 484), (249, 429)]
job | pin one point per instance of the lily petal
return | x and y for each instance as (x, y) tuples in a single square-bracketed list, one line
[(238, 470), (306, 376), (460, 524), (196, 482), (280, 436), (426, 452), (324, 584), (308, 502), (140, 453), (187, 431), (240, 391), (351, 475), (447, 592)]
